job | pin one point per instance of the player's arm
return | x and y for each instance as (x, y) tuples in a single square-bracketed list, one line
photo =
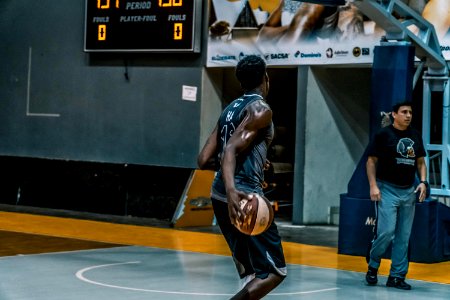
[(273, 29), (422, 170), (371, 169), (437, 12), (207, 159), (303, 22), (258, 116)]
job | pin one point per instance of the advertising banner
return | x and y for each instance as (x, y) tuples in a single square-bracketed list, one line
[(289, 32)]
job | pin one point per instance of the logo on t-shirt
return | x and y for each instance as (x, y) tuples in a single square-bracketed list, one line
[(405, 147)]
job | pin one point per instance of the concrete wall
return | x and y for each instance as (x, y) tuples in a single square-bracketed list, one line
[(212, 102), (336, 134), (59, 102)]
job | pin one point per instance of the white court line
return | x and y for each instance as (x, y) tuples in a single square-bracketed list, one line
[(80, 275)]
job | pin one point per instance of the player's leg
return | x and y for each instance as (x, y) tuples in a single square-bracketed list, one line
[(258, 288), (237, 241), (267, 259)]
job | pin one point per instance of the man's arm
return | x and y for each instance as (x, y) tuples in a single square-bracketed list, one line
[(371, 169), (422, 170), (258, 116)]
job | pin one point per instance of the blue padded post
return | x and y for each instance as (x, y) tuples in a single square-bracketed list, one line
[(392, 82)]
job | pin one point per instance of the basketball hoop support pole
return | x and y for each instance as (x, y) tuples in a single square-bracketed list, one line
[(435, 78)]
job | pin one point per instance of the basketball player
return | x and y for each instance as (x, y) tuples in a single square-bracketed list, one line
[(295, 21), (237, 148)]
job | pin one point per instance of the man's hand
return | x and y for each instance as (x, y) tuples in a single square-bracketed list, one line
[(235, 212), (375, 194), (267, 165), (422, 188)]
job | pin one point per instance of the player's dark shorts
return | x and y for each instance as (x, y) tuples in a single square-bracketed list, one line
[(260, 255)]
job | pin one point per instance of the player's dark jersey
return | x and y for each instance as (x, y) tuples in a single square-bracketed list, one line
[(249, 173), (397, 152)]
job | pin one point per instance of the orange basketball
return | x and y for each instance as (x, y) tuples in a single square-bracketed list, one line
[(258, 215)]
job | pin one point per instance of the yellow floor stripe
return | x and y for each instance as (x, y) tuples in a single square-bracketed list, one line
[(317, 256)]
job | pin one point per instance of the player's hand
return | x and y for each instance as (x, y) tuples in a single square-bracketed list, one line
[(375, 194), (235, 212)]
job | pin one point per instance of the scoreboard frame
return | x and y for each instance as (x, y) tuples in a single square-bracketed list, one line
[(162, 26)]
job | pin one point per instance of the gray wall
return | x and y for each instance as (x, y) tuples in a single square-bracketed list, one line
[(212, 92), (336, 135), (59, 102)]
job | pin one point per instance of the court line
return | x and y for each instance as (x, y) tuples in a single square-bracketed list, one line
[(80, 275), (134, 235)]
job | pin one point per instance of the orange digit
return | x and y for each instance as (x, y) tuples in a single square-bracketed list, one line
[(102, 6), (178, 31), (101, 32), (165, 3)]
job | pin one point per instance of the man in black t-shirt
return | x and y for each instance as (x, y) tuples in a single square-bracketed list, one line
[(395, 156)]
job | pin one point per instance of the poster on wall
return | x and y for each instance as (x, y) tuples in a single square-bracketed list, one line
[(289, 32)]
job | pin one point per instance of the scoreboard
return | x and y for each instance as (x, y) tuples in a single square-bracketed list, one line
[(142, 26)]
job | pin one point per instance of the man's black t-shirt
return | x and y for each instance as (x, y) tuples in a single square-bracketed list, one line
[(397, 152)]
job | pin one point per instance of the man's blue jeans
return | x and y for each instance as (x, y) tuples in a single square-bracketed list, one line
[(395, 216)]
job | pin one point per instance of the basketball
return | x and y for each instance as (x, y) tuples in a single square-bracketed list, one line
[(258, 215)]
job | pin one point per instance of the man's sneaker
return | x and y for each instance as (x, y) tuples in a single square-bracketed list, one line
[(371, 276), (398, 283)]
